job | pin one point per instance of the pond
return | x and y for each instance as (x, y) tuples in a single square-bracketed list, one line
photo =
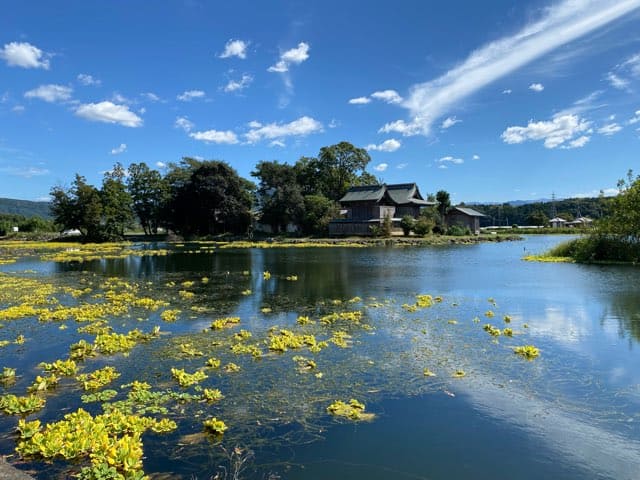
[(283, 333)]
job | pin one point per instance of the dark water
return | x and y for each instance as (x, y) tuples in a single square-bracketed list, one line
[(572, 413)]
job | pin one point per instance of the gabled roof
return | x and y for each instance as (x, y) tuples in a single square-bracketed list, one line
[(399, 193), (468, 211)]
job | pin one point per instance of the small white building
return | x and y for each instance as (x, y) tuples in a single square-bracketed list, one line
[(557, 222)]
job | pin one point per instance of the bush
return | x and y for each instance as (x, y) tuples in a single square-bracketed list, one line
[(458, 231), (407, 224), (423, 227)]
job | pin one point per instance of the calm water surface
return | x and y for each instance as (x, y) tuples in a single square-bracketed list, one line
[(572, 413)]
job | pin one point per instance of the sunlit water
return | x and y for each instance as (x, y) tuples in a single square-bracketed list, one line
[(571, 413)]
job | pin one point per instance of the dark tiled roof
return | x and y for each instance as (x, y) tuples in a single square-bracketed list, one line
[(400, 194), (469, 211)]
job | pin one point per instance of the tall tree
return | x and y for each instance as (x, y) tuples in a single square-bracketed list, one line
[(149, 193), (337, 168), (279, 195), (117, 212), (208, 197), (444, 203)]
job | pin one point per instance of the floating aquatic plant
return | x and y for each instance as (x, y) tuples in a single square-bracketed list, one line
[(185, 379), (527, 351), (98, 378), (354, 410), (215, 426), (491, 330), (13, 405), (226, 322)]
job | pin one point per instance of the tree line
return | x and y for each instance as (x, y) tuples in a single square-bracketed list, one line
[(208, 197)]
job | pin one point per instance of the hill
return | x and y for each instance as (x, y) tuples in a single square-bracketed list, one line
[(25, 208)]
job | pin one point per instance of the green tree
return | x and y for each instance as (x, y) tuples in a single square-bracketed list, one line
[(538, 218), (337, 168), (208, 198), (79, 207), (149, 193), (444, 203), (117, 212), (279, 196), (318, 212)]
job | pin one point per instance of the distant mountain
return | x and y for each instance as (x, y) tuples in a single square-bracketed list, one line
[(26, 208)]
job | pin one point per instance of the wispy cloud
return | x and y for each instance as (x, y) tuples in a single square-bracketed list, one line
[(609, 129), (449, 122), (238, 85), (235, 48), (390, 145), (189, 95), (119, 149), (294, 56), (25, 55), (87, 80), (559, 25), (50, 93), (108, 112)]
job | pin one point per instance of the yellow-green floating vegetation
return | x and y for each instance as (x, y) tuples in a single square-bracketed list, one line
[(353, 410), (527, 351)]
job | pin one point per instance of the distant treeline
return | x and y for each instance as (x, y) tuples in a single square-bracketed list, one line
[(25, 208), (539, 213)]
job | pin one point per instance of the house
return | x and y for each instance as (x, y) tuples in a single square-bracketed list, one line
[(580, 222), (465, 217), (557, 222), (367, 206)]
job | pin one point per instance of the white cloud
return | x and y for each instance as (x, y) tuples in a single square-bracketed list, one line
[(237, 85), (390, 145), (50, 93), (295, 56), (216, 136), (609, 129), (360, 101), (235, 48), (449, 122), (118, 150), (450, 159), (152, 97), (109, 112), (476, 157), (189, 95), (560, 24), (25, 55), (381, 167), (87, 80), (161, 164), (617, 82), (184, 123), (579, 142), (536, 87), (25, 172), (635, 119), (507, 91), (300, 127), (277, 143), (555, 132), (389, 96)]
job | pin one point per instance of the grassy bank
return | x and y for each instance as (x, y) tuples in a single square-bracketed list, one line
[(604, 249)]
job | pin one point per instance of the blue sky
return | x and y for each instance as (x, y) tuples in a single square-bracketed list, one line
[(492, 101)]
